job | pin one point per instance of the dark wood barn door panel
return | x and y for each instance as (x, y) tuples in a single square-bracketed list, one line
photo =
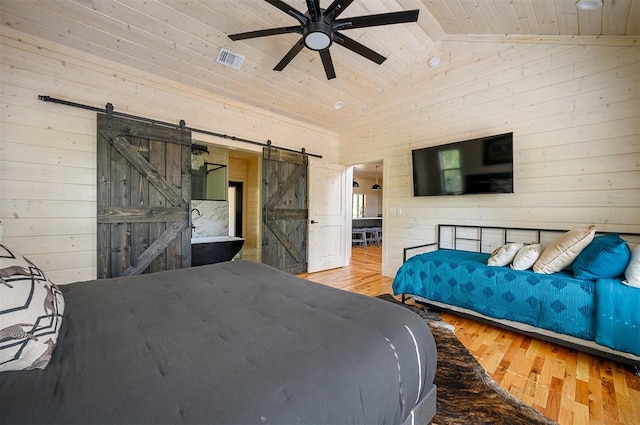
[(284, 211), (144, 190)]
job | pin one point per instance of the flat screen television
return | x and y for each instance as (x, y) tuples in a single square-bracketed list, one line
[(476, 166)]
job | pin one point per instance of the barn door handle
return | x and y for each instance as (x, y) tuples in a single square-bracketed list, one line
[(315, 222)]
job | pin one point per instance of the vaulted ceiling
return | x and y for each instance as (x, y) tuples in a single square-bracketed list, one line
[(180, 40)]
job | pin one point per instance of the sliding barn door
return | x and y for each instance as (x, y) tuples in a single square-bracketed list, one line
[(144, 189), (284, 210)]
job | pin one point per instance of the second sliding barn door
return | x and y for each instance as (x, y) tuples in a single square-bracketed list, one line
[(284, 210)]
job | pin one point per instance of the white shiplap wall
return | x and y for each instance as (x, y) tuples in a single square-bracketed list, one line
[(575, 114), (48, 155)]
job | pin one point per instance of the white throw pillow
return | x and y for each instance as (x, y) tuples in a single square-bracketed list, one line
[(31, 310), (504, 255), (562, 251), (632, 273), (526, 257)]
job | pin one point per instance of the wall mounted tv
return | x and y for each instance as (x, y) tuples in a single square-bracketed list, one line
[(483, 165)]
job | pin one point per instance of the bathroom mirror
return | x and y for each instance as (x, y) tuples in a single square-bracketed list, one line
[(209, 182), (208, 173)]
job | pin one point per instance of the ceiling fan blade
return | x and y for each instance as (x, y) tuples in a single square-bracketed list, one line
[(314, 9), (328, 64), (264, 33), (336, 8), (301, 17), (290, 55), (376, 20), (358, 48)]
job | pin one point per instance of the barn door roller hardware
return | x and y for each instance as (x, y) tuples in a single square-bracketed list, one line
[(109, 111)]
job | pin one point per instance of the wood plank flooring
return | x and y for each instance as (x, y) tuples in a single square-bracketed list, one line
[(568, 386)]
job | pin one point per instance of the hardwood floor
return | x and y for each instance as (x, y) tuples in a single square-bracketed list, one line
[(568, 386)]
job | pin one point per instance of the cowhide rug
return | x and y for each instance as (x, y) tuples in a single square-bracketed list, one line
[(467, 395)]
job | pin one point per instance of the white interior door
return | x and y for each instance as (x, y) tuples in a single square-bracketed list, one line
[(328, 206)]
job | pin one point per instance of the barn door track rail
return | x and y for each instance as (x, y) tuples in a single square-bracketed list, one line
[(109, 111)]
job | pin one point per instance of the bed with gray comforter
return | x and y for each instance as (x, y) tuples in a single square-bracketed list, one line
[(233, 343)]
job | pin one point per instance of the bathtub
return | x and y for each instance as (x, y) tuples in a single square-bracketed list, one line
[(214, 249)]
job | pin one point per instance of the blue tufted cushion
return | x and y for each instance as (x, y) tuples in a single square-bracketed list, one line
[(605, 257)]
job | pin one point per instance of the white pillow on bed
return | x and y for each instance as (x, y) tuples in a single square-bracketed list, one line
[(505, 254), (632, 273), (31, 310), (526, 257)]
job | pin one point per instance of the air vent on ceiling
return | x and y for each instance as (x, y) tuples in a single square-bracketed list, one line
[(229, 58)]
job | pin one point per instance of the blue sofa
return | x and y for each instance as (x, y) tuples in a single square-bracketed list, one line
[(601, 316)]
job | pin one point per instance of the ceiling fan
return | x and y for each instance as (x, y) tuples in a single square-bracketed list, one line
[(320, 28)]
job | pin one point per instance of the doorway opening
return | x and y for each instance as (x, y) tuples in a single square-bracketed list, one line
[(236, 207), (367, 207), (234, 176), (245, 177)]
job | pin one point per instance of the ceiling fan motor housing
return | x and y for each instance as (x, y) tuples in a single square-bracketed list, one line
[(318, 35)]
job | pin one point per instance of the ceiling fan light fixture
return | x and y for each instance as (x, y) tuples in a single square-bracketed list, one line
[(317, 36), (588, 4), (317, 41)]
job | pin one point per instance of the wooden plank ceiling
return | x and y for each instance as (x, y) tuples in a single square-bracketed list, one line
[(180, 40)]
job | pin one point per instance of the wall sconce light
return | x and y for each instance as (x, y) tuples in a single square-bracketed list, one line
[(356, 184)]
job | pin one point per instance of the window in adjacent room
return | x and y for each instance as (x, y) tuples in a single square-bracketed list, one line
[(359, 202), (451, 175)]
